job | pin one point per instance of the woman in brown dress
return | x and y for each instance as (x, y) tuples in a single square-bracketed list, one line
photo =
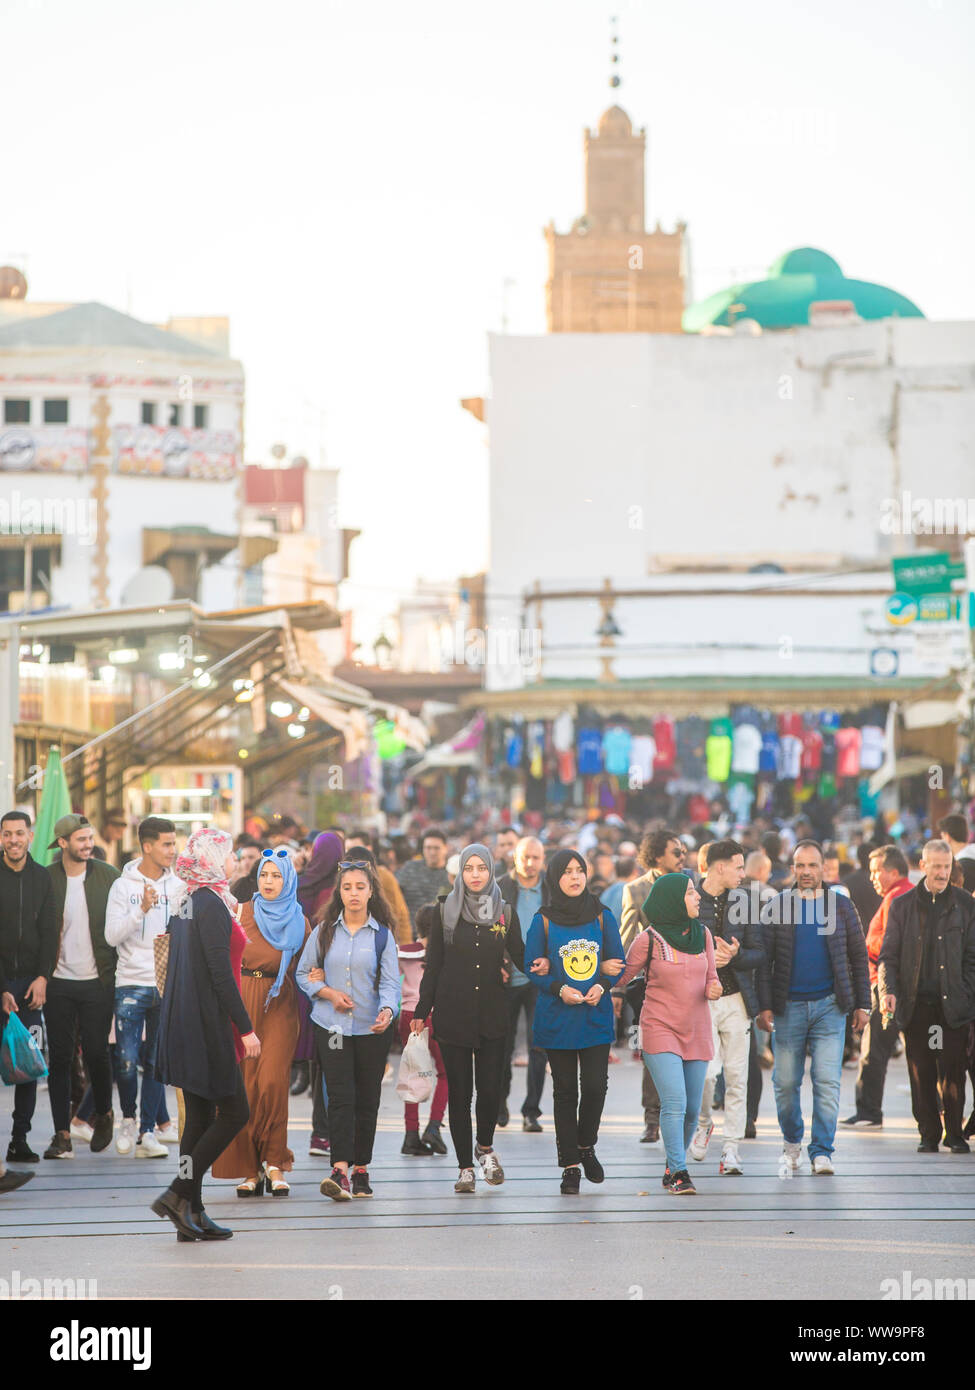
[(276, 930)]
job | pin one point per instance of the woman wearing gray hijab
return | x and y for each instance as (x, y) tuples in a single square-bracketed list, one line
[(469, 955)]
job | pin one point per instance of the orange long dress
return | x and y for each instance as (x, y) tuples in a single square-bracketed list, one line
[(267, 1079)]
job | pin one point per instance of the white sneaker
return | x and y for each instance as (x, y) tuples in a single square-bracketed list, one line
[(822, 1166), (789, 1160), (698, 1147), (730, 1162), (167, 1136), (490, 1167), (81, 1131), (150, 1147), (125, 1139)]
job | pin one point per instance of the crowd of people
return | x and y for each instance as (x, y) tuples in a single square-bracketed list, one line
[(242, 973)]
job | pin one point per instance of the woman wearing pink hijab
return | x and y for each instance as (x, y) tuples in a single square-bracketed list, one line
[(204, 1029)]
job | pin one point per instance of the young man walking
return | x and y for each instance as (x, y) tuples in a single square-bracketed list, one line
[(81, 993), (738, 951), (525, 891), (28, 945), (137, 912)]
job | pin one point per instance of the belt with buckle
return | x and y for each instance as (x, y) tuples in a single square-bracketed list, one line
[(257, 974)]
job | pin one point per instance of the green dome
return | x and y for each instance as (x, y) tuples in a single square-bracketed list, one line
[(796, 280)]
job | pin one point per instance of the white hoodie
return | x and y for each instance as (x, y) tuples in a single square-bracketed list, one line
[(130, 929)]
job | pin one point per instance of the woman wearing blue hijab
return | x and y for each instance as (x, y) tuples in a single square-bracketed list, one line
[(276, 931)]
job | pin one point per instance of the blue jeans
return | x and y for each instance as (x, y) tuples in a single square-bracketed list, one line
[(818, 1025), (135, 1006), (680, 1086)]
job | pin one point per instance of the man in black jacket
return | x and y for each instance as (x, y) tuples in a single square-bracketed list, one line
[(525, 891), (814, 974), (81, 996), (725, 911), (926, 980), (28, 945)]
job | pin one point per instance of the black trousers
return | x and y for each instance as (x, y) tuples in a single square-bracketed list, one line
[(579, 1080), (209, 1127), (467, 1067), (522, 997), (876, 1049), (85, 1006), (319, 1110), (25, 1095), (353, 1070), (936, 1061)]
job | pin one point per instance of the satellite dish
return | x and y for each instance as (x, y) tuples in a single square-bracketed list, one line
[(13, 285), (147, 587)]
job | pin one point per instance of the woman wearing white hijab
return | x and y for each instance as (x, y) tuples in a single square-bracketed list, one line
[(468, 958)]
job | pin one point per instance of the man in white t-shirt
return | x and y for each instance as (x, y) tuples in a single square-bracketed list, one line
[(139, 907), (81, 992)]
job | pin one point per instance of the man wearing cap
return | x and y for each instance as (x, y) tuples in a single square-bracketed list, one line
[(81, 992)]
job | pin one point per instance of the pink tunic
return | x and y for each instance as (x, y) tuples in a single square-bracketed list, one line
[(676, 1016)]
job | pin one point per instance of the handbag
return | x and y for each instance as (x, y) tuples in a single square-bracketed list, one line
[(20, 1058), (160, 959), (636, 990), (417, 1072)]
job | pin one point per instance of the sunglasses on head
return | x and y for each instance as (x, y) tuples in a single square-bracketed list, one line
[(274, 854), (353, 864)]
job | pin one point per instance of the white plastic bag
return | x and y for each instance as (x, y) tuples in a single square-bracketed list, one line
[(417, 1073)]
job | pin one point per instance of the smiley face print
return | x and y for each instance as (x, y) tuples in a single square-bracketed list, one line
[(580, 959)]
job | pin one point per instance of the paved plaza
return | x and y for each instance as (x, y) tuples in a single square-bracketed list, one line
[(888, 1210)]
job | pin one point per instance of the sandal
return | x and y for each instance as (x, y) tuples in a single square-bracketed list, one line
[(251, 1187), (276, 1184)]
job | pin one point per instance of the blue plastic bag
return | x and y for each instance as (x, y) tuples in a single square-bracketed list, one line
[(20, 1057)]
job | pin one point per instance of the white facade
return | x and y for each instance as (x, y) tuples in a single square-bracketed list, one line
[(633, 457), (160, 475)]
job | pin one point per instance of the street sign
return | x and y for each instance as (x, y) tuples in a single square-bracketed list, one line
[(903, 609), (884, 661), (926, 574)]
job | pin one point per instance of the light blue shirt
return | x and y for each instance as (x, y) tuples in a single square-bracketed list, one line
[(529, 902), (351, 967), (613, 898)]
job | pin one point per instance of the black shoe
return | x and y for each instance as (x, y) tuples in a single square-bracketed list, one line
[(924, 1148), (431, 1136), (59, 1147), (681, 1185), (177, 1209), (210, 1229), (300, 1080), (414, 1146), (360, 1184), (863, 1121), (750, 1131), (11, 1181), (591, 1165), (956, 1146), (503, 1117), (103, 1129), (19, 1151), (667, 1178), (571, 1178), (530, 1125), (651, 1134)]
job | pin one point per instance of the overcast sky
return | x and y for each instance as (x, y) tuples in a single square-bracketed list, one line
[(353, 183)]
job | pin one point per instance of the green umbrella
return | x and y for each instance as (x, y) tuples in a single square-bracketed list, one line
[(55, 803)]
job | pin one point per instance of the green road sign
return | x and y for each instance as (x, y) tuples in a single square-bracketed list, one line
[(926, 574)]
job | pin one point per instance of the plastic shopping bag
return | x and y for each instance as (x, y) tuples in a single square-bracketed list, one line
[(417, 1073), (20, 1057)]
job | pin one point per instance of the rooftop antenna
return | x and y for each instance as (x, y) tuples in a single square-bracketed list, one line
[(614, 55)]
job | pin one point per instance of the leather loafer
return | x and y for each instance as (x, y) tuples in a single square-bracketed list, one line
[(177, 1209)]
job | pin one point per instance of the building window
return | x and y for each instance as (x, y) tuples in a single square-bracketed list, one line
[(148, 412), (16, 412), (55, 412), (175, 415), (200, 413)]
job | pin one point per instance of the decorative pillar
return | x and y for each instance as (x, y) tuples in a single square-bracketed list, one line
[(101, 463)]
